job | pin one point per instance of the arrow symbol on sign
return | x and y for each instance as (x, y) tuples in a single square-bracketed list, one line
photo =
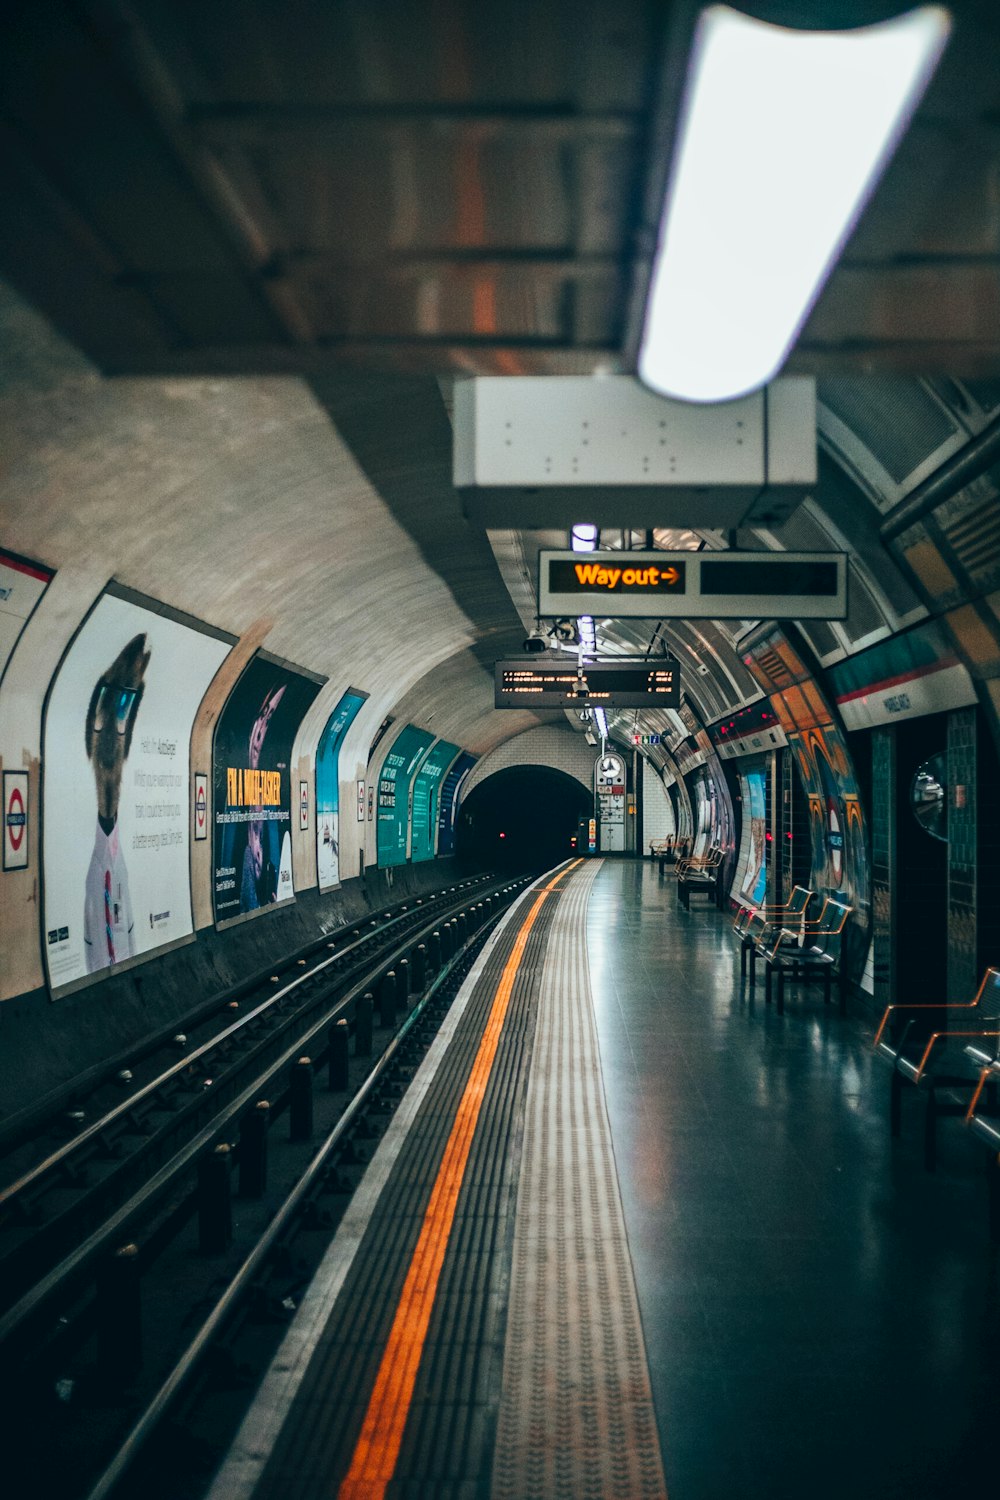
[(670, 575)]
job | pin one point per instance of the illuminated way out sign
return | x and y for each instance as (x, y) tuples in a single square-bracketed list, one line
[(694, 585), (604, 684)]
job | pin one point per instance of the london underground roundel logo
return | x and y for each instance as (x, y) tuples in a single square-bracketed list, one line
[(199, 807), (15, 819)]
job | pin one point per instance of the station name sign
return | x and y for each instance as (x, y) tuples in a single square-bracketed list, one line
[(694, 585), (604, 684)]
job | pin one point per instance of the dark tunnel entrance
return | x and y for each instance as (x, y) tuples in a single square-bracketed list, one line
[(523, 818)]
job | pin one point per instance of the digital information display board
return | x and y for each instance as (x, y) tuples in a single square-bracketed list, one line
[(694, 585), (609, 684)]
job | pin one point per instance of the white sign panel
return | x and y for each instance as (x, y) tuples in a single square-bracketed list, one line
[(117, 787)]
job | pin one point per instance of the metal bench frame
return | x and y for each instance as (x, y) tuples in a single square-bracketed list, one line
[(922, 1065), (812, 951), (750, 922), (699, 875)]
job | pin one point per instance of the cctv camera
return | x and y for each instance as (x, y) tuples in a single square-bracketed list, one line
[(536, 641), (582, 690)]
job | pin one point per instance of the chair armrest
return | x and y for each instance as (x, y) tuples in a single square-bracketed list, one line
[(944, 1005), (948, 1035), (986, 1076), (774, 935)]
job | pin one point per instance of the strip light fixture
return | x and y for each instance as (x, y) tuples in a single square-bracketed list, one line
[(783, 136), (584, 538)]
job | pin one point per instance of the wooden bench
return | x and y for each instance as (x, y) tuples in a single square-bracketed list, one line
[(699, 876), (750, 922), (808, 951), (926, 1045)]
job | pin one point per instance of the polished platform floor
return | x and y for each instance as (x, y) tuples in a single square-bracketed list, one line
[(822, 1317), (678, 1217)]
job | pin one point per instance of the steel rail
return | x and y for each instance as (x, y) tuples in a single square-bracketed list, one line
[(128, 1105), (19, 1319), (243, 1280)]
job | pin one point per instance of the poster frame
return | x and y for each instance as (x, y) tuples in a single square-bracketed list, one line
[(201, 785), (180, 617), (282, 663), (18, 781)]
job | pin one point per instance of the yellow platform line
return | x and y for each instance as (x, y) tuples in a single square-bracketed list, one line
[(377, 1451)]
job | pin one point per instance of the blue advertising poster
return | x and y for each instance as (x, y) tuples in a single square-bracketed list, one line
[(448, 801), (426, 791), (395, 779), (328, 788), (753, 848)]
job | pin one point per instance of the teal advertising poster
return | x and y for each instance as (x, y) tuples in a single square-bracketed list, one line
[(395, 779), (328, 788), (426, 794)]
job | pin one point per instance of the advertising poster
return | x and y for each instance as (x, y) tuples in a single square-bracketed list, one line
[(451, 791), (752, 874), (251, 755), (22, 584), (395, 780), (837, 833), (426, 791), (328, 788), (116, 790)]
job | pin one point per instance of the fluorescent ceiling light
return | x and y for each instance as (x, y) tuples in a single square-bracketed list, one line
[(783, 136), (584, 537), (601, 720)]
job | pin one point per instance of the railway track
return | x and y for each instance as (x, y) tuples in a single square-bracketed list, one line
[(116, 1240)]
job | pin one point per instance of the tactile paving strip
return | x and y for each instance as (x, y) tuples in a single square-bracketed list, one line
[(576, 1410), (299, 1433)]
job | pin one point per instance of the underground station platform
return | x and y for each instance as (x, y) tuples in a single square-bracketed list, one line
[(631, 1233)]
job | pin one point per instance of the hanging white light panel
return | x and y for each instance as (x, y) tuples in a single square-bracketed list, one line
[(783, 136)]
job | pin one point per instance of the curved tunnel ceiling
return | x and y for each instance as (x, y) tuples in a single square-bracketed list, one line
[(319, 519), (443, 190)]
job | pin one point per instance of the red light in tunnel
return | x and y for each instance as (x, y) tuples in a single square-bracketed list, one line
[(503, 835)]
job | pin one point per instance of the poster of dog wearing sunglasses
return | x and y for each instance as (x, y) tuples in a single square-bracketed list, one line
[(108, 922)]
